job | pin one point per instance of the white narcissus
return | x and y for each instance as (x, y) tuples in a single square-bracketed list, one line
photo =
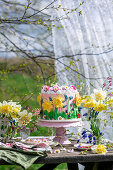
[(25, 117), (99, 95)]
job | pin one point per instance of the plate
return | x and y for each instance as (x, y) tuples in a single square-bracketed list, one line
[(64, 120), (38, 141), (83, 146)]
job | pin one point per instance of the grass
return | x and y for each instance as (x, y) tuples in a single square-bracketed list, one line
[(22, 87)]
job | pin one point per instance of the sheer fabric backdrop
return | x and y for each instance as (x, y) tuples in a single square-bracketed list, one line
[(86, 39)]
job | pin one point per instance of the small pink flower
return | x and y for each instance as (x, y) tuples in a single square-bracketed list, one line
[(109, 78), (55, 88), (73, 87), (45, 88), (104, 85)]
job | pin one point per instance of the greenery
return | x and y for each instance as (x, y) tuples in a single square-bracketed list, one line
[(22, 87)]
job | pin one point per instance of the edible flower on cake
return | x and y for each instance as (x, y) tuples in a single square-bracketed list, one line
[(77, 99), (57, 101), (60, 118), (39, 98), (47, 105)]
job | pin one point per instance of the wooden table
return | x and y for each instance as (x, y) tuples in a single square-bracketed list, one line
[(72, 160)]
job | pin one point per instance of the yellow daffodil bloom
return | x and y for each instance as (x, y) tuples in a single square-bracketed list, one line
[(110, 102), (47, 105), (5, 109), (57, 101), (99, 94), (77, 99), (99, 107), (89, 103), (100, 149), (39, 98)]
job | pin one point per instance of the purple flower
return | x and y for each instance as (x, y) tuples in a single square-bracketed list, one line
[(84, 136), (69, 116), (65, 111), (89, 117), (90, 136), (94, 143), (78, 141), (83, 132), (72, 109)]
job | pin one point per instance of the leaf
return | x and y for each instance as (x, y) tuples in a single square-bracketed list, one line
[(64, 106), (66, 97), (71, 97), (50, 98)]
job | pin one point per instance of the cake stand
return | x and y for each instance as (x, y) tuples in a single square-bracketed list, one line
[(60, 128)]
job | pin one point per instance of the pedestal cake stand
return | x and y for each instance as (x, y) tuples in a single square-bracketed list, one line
[(60, 128)]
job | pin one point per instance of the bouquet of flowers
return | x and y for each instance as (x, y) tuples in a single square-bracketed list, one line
[(97, 102), (10, 117)]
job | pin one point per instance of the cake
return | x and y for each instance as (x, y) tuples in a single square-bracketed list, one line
[(59, 103)]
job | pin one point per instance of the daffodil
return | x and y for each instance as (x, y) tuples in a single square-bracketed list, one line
[(100, 149), (39, 98), (25, 117), (89, 103), (99, 94), (77, 99), (99, 107), (57, 101), (110, 102), (47, 105)]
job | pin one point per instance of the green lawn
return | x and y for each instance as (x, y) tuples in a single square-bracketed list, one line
[(24, 88)]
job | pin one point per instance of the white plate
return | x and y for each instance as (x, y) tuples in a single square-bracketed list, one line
[(34, 143), (64, 120)]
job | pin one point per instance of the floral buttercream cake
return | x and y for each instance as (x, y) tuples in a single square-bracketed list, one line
[(59, 103)]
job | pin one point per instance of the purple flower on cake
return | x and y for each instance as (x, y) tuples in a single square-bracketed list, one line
[(72, 109), (69, 116), (55, 88), (45, 88)]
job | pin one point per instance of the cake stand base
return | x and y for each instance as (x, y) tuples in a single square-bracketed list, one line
[(60, 136), (60, 128)]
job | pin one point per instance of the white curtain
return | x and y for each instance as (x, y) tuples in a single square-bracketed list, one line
[(87, 37)]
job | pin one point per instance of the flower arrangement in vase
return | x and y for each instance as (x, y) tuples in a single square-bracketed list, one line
[(10, 117), (96, 103)]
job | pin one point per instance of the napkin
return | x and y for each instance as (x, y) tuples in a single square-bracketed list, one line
[(22, 158)]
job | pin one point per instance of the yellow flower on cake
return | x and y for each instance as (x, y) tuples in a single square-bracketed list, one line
[(99, 94), (47, 105), (77, 99), (39, 98), (57, 101), (100, 149), (99, 107)]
